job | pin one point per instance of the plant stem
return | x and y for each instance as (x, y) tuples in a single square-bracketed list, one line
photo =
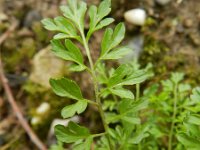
[(173, 118), (92, 102), (96, 88), (137, 99), (137, 91), (97, 135)]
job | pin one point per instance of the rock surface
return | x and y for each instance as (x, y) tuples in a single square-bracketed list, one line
[(45, 66)]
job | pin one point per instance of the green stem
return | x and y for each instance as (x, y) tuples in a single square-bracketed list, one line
[(137, 98), (173, 119), (97, 135), (137, 91), (96, 88), (92, 102)]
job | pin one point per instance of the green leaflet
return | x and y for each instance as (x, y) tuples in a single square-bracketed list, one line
[(125, 75), (195, 95), (177, 77), (75, 12), (62, 25), (76, 68), (65, 26), (66, 88), (117, 53), (58, 146), (127, 109), (130, 106), (123, 93), (97, 14), (189, 142), (112, 38), (140, 134), (71, 133), (193, 119), (70, 110), (85, 145), (68, 52), (103, 23), (49, 24), (104, 9)]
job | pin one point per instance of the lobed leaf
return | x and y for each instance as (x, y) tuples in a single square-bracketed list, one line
[(141, 133), (112, 38), (125, 75), (86, 145), (193, 119), (130, 106), (105, 22), (75, 11), (71, 133), (97, 14), (66, 88), (71, 110), (195, 95), (189, 142), (62, 25), (49, 24), (69, 51), (104, 9), (117, 53), (123, 93)]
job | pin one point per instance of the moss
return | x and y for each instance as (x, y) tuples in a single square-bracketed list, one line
[(40, 34), (36, 94), (165, 60), (18, 54), (154, 47), (154, 52)]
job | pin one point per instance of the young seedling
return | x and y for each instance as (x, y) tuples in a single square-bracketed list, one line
[(174, 119), (116, 104)]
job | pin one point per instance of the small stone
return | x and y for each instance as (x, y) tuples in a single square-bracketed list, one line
[(136, 44), (135, 16), (31, 17), (188, 23), (45, 66), (35, 120), (3, 17), (63, 122), (43, 108), (163, 2)]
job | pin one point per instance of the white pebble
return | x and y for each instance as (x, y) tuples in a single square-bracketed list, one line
[(35, 120), (163, 2), (43, 108), (63, 122), (135, 16)]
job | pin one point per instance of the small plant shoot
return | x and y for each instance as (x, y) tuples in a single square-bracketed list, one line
[(164, 116)]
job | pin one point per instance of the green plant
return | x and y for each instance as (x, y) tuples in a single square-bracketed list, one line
[(115, 103), (189, 135), (173, 115)]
